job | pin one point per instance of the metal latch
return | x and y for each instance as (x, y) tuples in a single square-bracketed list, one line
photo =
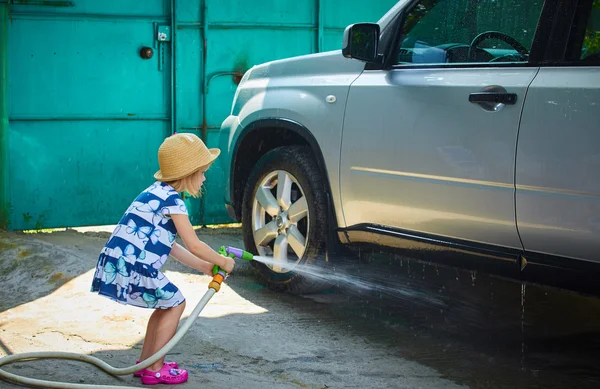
[(163, 34)]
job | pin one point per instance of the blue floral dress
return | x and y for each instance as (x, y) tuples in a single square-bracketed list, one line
[(128, 270)]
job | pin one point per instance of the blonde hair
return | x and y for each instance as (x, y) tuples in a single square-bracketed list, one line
[(186, 184)]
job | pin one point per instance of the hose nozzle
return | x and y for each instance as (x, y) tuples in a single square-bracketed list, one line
[(236, 253), (233, 253)]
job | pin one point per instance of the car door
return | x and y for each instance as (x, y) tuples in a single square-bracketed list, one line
[(558, 155), (424, 148)]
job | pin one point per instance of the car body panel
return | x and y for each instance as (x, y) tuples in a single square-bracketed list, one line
[(417, 155), (278, 89), (558, 164)]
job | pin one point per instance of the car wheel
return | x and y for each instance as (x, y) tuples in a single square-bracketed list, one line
[(284, 217)]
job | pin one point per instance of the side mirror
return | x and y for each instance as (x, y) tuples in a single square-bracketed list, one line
[(361, 41)]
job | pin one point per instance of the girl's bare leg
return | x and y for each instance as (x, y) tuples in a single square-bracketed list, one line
[(161, 328)]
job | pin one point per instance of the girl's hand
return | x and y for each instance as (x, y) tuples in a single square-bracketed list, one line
[(228, 264)]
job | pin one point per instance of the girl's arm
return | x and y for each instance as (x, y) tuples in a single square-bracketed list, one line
[(197, 247), (182, 255)]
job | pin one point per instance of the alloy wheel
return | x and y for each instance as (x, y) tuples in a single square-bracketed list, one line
[(280, 220)]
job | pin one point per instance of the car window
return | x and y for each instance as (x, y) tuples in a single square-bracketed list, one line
[(590, 49), (469, 31)]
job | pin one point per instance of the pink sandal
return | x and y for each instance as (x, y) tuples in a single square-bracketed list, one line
[(172, 365), (166, 375)]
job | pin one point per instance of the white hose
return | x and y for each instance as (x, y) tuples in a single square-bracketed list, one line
[(98, 362)]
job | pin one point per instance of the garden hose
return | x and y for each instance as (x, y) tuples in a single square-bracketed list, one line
[(213, 288)]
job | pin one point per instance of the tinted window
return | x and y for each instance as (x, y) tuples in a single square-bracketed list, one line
[(590, 49), (445, 31)]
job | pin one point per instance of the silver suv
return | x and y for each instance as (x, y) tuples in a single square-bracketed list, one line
[(460, 131)]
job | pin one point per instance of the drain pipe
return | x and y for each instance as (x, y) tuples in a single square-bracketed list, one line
[(213, 287), (3, 116), (173, 68)]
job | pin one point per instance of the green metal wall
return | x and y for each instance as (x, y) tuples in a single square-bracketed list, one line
[(84, 114)]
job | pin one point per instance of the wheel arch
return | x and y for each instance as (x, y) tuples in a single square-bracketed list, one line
[(260, 137)]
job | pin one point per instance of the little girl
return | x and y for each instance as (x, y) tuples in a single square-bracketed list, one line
[(128, 269)]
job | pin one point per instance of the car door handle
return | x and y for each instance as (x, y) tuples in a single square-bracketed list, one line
[(493, 97)]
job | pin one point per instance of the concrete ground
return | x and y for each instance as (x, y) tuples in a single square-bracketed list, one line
[(247, 337), (386, 323)]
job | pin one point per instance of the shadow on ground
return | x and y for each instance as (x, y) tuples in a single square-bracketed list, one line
[(34, 265)]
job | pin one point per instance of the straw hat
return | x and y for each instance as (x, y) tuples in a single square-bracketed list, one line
[(182, 154)]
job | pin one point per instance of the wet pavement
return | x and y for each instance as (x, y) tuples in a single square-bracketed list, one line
[(387, 322), (475, 329)]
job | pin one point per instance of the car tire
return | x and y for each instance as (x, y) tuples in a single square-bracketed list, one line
[(273, 226)]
